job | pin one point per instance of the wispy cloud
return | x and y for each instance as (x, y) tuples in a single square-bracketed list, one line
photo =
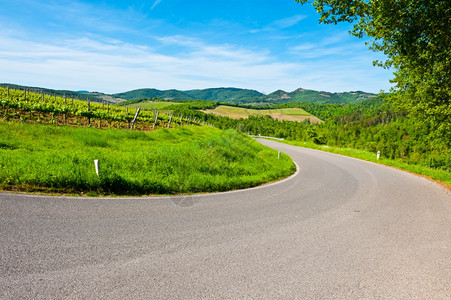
[(114, 66), (83, 46), (100, 65), (155, 4), (288, 22), (281, 24)]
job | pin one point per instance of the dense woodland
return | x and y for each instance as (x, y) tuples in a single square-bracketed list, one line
[(371, 125)]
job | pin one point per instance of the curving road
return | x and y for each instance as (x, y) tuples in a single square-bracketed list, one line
[(340, 229)]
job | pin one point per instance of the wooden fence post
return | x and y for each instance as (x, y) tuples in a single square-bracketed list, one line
[(134, 119), (89, 119), (170, 119), (156, 118)]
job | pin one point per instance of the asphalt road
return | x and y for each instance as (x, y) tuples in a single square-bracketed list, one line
[(340, 229)]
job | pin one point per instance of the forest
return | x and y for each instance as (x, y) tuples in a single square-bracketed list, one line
[(372, 125)]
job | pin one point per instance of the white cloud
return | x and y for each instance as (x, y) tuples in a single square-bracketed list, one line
[(111, 66)]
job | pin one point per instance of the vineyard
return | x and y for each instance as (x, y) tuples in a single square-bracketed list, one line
[(35, 107)]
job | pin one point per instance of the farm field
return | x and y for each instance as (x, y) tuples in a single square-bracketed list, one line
[(150, 105), (60, 159), (287, 114)]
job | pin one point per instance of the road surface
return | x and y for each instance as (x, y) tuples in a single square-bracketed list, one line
[(340, 229)]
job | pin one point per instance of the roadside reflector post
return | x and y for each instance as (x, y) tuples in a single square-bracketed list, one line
[(378, 155), (96, 165), (278, 155)]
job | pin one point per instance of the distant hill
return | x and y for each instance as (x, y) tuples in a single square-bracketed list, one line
[(310, 96), (229, 95), (215, 94), (224, 94), (246, 97), (154, 93)]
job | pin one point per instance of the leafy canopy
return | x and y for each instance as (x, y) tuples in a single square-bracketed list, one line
[(415, 35)]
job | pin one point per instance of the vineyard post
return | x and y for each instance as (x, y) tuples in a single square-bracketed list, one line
[(134, 119), (7, 91), (181, 119), (24, 94), (89, 119), (156, 118), (126, 113), (42, 95), (108, 107), (170, 119), (65, 112)]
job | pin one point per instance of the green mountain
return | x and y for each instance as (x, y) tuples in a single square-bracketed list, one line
[(215, 94), (245, 96), (224, 94), (310, 96), (235, 96), (154, 93)]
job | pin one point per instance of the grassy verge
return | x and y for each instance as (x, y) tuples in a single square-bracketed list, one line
[(60, 159), (442, 176)]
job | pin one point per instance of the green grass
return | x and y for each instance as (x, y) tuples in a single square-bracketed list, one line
[(189, 159), (154, 105), (435, 174), (287, 111)]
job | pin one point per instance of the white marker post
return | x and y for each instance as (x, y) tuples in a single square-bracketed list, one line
[(96, 165), (378, 155), (278, 155)]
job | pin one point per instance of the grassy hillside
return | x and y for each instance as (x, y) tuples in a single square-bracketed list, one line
[(94, 97), (288, 114), (190, 159)]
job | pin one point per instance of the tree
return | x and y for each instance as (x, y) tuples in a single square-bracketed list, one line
[(415, 35)]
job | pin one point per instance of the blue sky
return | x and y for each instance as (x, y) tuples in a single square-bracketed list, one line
[(116, 46)]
